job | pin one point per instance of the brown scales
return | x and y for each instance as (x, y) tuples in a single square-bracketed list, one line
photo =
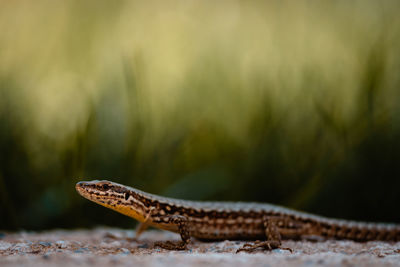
[(228, 220)]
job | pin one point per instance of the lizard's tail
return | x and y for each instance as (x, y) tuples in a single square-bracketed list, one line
[(361, 232)]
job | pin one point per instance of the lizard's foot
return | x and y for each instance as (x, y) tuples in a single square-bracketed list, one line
[(171, 245), (267, 245)]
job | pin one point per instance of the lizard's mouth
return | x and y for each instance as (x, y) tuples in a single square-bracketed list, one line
[(82, 189), (90, 190), (102, 193)]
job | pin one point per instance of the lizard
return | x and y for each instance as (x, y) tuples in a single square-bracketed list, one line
[(206, 220)]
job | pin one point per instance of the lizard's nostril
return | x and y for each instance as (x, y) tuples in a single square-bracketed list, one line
[(81, 185)]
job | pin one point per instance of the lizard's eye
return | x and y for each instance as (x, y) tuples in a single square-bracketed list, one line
[(106, 186)]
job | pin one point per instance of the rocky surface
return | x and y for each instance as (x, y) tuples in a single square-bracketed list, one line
[(105, 247)]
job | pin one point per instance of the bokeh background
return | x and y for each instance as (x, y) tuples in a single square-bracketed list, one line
[(295, 103)]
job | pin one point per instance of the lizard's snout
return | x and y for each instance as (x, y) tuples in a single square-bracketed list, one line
[(81, 186)]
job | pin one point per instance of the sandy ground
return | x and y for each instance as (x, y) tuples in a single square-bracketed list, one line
[(105, 247)]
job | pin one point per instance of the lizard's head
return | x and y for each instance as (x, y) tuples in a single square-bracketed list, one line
[(114, 196)]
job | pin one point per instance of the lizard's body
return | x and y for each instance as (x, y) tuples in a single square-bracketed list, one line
[(228, 220)]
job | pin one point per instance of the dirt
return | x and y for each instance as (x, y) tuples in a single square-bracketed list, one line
[(105, 247)]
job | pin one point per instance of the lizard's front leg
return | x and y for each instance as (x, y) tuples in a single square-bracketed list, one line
[(273, 238), (143, 225), (183, 227)]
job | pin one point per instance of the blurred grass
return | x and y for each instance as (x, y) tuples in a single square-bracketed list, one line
[(289, 102)]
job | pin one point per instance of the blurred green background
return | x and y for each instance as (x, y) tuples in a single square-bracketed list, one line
[(295, 103)]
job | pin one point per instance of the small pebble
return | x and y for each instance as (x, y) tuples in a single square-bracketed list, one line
[(115, 244), (21, 248), (81, 250), (45, 244), (4, 245), (278, 250), (125, 251), (143, 246), (77, 243), (61, 244)]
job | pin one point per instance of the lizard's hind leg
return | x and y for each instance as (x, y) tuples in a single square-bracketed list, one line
[(273, 238)]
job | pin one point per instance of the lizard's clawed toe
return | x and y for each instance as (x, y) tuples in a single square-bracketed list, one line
[(265, 245), (171, 245)]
